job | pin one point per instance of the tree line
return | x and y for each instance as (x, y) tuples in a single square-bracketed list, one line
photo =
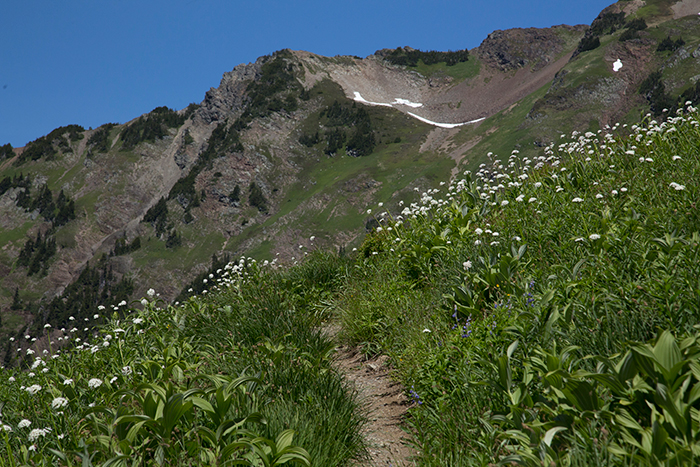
[(408, 56)]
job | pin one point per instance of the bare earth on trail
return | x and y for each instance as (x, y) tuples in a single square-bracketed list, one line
[(386, 407)]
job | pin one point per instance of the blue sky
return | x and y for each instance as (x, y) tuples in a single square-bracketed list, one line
[(91, 62)]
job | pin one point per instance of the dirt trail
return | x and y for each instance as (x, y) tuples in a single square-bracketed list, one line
[(386, 404)]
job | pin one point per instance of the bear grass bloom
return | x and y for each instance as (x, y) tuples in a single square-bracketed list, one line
[(59, 402), (37, 432), (677, 186), (95, 383)]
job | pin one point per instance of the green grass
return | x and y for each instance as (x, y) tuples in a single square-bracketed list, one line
[(9, 236), (603, 258), (247, 357)]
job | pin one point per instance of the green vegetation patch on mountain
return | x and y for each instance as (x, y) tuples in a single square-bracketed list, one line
[(47, 147), (407, 56), (567, 265), (150, 127)]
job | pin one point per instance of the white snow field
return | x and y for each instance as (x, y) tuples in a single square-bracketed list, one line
[(359, 98), (406, 102), (445, 125), (617, 65)]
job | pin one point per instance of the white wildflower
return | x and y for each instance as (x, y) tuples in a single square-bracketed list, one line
[(59, 402), (677, 187), (594, 236), (36, 433), (95, 383)]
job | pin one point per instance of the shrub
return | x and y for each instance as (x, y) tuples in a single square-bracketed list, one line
[(157, 216), (256, 198)]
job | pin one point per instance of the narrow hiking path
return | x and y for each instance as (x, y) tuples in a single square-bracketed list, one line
[(386, 406)]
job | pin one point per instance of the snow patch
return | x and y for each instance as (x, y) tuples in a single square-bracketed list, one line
[(407, 102), (444, 125), (617, 65), (358, 97)]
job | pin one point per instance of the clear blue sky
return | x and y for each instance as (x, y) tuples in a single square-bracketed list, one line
[(91, 62)]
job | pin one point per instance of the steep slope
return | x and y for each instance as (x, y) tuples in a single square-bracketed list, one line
[(296, 146)]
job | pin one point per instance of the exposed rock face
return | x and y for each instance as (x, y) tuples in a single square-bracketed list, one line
[(517, 48), (229, 96)]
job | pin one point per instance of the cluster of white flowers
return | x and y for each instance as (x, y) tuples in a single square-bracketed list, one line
[(59, 402), (38, 432), (94, 383), (677, 186)]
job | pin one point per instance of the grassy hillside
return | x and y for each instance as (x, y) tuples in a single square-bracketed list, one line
[(540, 310), (545, 309)]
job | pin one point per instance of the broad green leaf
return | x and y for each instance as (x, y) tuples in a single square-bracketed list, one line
[(667, 353), (284, 439), (202, 404), (627, 368), (659, 437), (512, 348), (609, 381), (582, 395), (174, 409), (665, 400), (549, 436), (294, 454)]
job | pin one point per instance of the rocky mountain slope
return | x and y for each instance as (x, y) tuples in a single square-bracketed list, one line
[(298, 146)]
